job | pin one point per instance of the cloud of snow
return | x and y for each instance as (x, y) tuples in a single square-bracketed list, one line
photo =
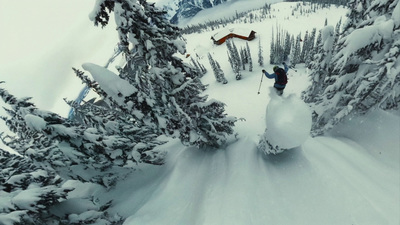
[(288, 121)]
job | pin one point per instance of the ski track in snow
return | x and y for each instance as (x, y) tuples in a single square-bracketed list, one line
[(328, 180), (313, 184)]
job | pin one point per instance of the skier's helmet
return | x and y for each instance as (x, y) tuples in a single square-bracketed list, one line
[(275, 68)]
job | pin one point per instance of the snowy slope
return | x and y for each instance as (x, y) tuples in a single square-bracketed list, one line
[(350, 177)]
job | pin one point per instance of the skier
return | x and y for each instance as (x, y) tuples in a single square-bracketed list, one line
[(280, 76)]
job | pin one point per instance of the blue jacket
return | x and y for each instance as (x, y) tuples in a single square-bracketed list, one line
[(273, 75)]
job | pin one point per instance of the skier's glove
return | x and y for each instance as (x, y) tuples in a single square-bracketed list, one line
[(263, 71), (284, 63)]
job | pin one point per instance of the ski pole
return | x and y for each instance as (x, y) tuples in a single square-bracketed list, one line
[(262, 76), (292, 68)]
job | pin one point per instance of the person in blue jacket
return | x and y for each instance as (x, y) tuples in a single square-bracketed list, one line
[(280, 76)]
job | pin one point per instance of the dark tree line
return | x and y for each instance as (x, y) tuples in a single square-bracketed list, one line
[(256, 15), (323, 2), (250, 16)]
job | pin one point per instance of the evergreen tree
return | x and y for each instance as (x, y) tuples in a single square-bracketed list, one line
[(105, 148), (354, 17), (249, 59), (234, 58), (337, 35), (305, 48), (279, 48), (311, 48), (260, 54), (243, 58), (200, 69), (365, 75), (296, 51), (288, 46), (168, 94), (319, 39), (218, 73), (321, 65), (32, 195), (221, 73), (27, 192), (272, 52)]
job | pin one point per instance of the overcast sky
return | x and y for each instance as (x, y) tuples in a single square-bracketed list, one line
[(40, 41)]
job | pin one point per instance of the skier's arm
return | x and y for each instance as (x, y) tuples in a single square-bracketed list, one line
[(270, 76), (285, 66)]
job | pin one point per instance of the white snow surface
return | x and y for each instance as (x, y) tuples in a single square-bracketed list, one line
[(35, 122), (25, 199), (112, 84), (350, 176)]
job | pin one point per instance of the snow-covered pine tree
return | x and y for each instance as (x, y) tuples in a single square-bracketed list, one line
[(167, 92), (366, 74), (260, 53), (234, 58), (106, 147), (200, 69), (288, 46), (221, 73), (243, 58), (249, 59), (311, 48), (321, 65), (278, 48), (319, 39), (357, 9), (31, 195), (305, 49), (245, 55), (336, 38), (230, 60), (296, 51), (27, 192), (218, 73), (272, 48), (213, 67), (235, 51)]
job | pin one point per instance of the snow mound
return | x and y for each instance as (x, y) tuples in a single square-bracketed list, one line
[(288, 121), (111, 83)]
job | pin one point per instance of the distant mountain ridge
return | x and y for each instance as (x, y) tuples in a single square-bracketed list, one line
[(179, 10), (183, 9)]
